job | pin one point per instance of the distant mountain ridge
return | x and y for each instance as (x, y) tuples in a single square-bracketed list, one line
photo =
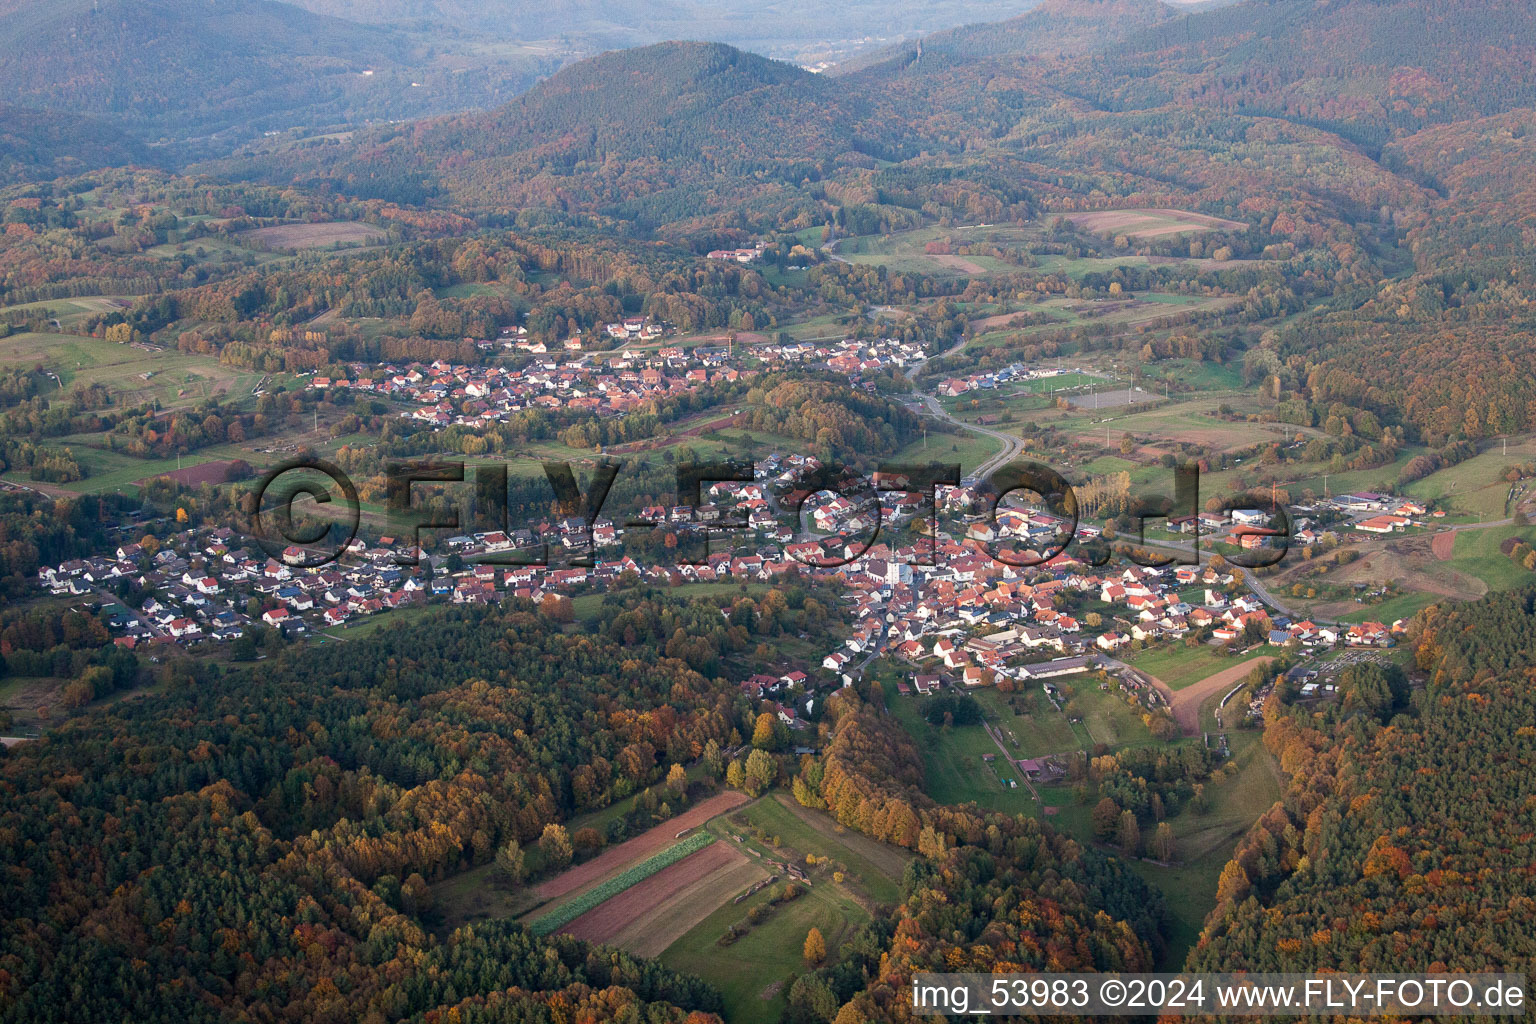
[(180, 69), (663, 100), (1055, 28), (689, 132), (254, 54), (785, 28), (621, 127), (1371, 69), (45, 144)]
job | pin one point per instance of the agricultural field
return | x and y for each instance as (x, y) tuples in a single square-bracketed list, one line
[(905, 252), (313, 236), (72, 312), (1474, 486), (1028, 717), (658, 911), (137, 373), (1476, 552), (590, 899), (214, 250), (954, 757), (953, 763), (1131, 310), (827, 327), (1195, 374), (1193, 421), (753, 972), (644, 845), (1178, 666), (1402, 606), (474, 894), (873, 868), (1151, 223), (24, 696), (970, 450)]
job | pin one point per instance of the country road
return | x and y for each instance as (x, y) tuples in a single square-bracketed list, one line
[(1012, 446), (916, 368)]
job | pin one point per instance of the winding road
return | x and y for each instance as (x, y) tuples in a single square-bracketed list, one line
[(929, 406), (1012, 446)]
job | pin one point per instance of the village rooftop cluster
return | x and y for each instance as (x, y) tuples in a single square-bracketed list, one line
[(600, 383)]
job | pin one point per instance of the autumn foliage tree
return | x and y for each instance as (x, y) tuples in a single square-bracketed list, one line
[(815, 948)]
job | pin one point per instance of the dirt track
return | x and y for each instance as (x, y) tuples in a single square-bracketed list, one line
[(638, 848), (1186, 702)]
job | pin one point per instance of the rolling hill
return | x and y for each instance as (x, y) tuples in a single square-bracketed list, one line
[(1056, 28), (181, 69), (145, 61), (629, 129), (704, 102), (1368, 69), (48, 144)]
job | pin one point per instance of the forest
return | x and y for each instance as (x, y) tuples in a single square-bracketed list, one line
[(1403, 841), (258, 843)]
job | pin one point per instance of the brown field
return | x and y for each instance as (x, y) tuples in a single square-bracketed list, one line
[(651, 915), (959, 263), (1413, 563), (313, 236), (207, 473), (646, 843), (23, 696), (1151, 223), (992, 323), (1443, 545), (1186, 702)]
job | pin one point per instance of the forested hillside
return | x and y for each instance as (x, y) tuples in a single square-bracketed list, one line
[(38, 143), (992, 893), (1403, 845), (256, 840), (1056, 28), (645, 133), (1368, 69), (181, 70)]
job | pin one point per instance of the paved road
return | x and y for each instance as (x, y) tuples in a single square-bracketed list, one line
[(1012, 446), (912, 371), (149, 624)]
